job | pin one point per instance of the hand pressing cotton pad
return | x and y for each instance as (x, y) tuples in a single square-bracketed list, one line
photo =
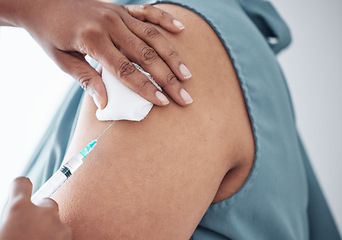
[(123, 103)]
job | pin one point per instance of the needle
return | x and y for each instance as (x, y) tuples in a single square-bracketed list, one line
[(105, 130)]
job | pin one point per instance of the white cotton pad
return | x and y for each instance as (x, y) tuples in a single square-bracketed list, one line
[(123, 103)]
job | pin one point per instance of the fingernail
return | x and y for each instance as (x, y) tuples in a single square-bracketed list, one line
[(97, 100), (185, 71), (178, 24), (162, 98), (186, 97)]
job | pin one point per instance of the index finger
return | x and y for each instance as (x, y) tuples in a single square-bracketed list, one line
[(155, 15), (121, 67), (20, 187)]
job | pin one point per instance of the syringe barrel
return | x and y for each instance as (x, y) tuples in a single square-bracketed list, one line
[(54, 182), (57, 179)]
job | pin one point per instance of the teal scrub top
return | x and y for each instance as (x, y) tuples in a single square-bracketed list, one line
[(281, 198)]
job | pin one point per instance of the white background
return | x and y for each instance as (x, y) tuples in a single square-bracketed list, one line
[(32, 88)]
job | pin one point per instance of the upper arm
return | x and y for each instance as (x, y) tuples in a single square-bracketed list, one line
[(155, 179)]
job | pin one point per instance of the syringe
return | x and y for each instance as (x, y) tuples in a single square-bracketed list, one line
[(64, 172)]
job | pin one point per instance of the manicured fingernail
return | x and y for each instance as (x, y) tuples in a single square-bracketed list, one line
[(186, 97), (185, 71), (162, 98), (178, 24)]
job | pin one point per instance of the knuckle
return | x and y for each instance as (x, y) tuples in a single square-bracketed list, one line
[(107, 16), (163, 14), (131, 9), (84, 79), (125, 68), (149, 55), (142, 85), (90, 31), (132, 42), (151, 32), (145, 6), (88, 37), (172, 53), (170, 79)]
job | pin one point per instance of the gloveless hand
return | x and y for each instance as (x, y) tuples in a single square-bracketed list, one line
[(114, 35), (24, 220)]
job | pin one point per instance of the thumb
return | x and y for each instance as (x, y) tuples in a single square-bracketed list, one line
[(90, 80), (20, 187)]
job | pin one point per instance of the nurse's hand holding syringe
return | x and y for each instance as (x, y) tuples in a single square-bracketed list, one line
[(23, 220), (65, 171), (37, 217)]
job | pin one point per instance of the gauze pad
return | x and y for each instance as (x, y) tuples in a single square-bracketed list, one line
[(123, 103)]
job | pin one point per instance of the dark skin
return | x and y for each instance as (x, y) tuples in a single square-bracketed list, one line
[(112, 34), (24, 220)]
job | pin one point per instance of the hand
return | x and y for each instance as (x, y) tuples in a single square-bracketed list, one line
[(24, 220), (114, 35)]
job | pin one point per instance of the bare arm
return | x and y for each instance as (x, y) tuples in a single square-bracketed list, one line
[(155, 179)]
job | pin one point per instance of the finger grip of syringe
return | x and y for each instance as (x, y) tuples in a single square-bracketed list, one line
[(57, 179)]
